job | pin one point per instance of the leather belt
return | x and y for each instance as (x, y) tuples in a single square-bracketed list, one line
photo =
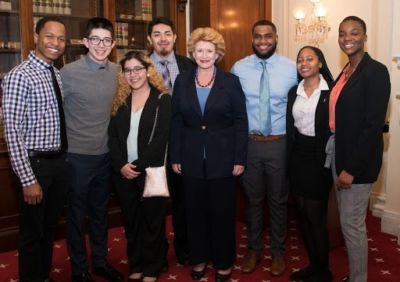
[(267, 138), (44, 154)]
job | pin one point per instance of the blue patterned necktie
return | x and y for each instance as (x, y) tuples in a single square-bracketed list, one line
[(265, 113), (165, 74)]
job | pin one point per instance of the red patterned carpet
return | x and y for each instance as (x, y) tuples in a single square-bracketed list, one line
[(384, 258)]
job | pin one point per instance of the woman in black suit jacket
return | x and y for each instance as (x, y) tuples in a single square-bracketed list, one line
[(357, 113), (133, 115), (208, 147), (307, 132)]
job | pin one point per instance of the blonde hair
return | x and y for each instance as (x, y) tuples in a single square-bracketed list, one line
[(207, 34), (124, 90)]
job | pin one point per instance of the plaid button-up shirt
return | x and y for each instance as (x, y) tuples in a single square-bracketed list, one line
[(30, 112)]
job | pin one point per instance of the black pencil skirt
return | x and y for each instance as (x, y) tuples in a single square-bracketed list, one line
[(307, 175)]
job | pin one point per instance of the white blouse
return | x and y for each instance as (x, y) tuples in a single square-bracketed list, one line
[(131, 142), (304, 108)]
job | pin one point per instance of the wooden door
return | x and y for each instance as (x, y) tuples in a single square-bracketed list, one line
[(234, 20)]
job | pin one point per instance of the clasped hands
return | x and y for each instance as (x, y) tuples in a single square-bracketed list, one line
[(128, 171)]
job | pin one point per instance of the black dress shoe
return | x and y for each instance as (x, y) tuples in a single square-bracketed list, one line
[(198, 274), (165, 267), (222, 277), (320, 276), (108, 272), (183, 259), (302, 274), (83, 277)]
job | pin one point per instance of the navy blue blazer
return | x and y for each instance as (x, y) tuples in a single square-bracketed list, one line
[(222, 132), (360, 116)]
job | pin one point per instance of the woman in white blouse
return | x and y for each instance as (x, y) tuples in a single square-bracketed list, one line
[(307, 130)]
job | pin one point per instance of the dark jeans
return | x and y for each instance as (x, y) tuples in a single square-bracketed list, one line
[(88, 196), (38, 222)]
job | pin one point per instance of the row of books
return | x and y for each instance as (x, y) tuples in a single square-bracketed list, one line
[(5, 5), (140, 10), (10, 44), (147, 10), (62, 7), (122, 34)]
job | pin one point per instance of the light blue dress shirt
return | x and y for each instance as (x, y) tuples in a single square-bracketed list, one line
[(282, 76)]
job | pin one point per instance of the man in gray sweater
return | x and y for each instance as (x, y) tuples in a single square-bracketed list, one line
[(90, 84)]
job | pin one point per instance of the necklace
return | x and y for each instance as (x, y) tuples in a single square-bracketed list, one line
[(207, 84)]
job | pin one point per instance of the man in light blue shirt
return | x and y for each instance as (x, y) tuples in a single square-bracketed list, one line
[(264, 176)]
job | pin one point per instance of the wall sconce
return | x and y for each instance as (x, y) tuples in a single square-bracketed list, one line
[(396, 58), (313, 29)]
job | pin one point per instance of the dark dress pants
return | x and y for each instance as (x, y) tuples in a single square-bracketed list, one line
[(178, 215), (265, 179), (144, 223), (90, 182), (38, 222), (210, 210)]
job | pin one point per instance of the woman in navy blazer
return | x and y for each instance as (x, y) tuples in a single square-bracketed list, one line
[(208, 147), (307, 132), (133, 116), (357, 113)]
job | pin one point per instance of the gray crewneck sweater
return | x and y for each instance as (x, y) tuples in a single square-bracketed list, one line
[(88, 89)]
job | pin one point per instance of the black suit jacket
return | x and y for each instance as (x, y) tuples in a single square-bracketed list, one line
[(360, 116), (184, 64), (322, 131), (222, 130), (149, 154)]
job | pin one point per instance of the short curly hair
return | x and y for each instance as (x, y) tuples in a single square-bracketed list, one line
[(207, 34)]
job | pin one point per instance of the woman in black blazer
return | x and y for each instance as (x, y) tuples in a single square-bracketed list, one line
[(208, 147), (307, 133), (357, 113), (133, 115)]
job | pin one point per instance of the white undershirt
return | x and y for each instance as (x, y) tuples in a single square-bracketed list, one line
[(304, 108), (131, 141)]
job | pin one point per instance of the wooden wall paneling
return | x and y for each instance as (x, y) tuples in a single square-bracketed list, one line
[(26, 20), (8, 204), (178, 16), (234, 20)]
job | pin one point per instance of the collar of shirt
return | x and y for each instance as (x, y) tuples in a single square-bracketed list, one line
[(323, 85), (270, 61), (35, 60), (95, 66), (157, 58)]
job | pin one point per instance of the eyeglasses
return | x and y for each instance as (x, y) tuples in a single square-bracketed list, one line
[(107, 41), (135, 70)]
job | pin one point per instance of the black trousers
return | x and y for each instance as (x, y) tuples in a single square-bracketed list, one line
[(38, 222), (210, 210), (178, 215), (144, 222), (89, 193)]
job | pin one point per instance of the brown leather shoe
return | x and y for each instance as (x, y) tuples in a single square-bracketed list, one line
[(249, 262), (278, 266)]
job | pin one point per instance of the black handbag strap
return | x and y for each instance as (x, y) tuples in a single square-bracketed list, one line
[(154, 128)]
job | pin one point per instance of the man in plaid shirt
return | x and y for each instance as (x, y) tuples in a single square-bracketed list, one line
[(34, 127)]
